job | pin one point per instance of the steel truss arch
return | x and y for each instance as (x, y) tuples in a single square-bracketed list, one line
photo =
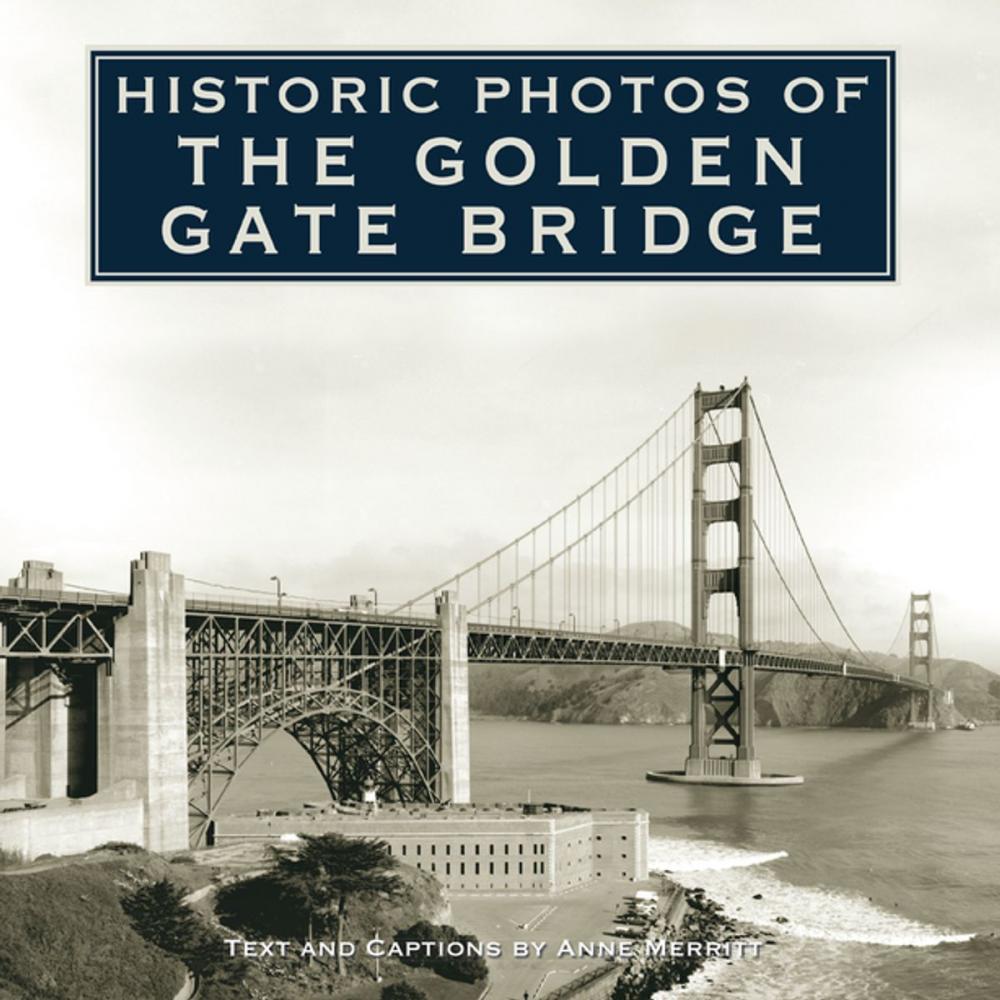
[(361, 696), (399, 772)]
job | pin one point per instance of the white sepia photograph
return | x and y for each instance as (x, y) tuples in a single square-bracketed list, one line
[(499, 501)]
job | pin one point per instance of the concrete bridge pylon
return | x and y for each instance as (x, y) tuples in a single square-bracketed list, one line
[(455, 760), (95, 712), (142, 707)]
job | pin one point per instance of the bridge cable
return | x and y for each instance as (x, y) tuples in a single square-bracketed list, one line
[(571, 545), (265, 593), (564, 513), (798, 529), (771, 558), (899, 631)]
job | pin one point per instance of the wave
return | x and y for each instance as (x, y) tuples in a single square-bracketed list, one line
[(733, 877), (677, 856)]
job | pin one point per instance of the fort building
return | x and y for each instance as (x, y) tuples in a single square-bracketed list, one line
[(536, 848)]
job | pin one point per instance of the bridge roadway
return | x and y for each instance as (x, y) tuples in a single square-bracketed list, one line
[(64, 625), (515, 644)]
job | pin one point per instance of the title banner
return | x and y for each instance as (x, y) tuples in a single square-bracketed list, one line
[(224, 165)]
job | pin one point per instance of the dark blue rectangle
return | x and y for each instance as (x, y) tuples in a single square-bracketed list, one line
[(830, 170)]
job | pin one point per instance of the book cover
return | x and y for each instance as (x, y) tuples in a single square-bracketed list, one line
[(496, 501)]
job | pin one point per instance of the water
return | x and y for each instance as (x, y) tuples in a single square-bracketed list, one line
[(884, 863)]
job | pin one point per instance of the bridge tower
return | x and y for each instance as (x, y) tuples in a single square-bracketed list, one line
[(726, 691), (921, 651), (722, 696)]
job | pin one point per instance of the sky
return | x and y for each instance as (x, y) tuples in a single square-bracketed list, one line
[(346, 436)]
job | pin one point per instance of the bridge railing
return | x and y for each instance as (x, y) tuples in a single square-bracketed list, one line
[(518, 644), (74, 598), (297, 609)]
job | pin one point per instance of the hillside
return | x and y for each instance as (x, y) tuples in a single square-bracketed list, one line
[(64, 934), (642, 695)]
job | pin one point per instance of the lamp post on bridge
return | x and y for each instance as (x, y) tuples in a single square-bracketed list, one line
[(374, 593), (276, 580)]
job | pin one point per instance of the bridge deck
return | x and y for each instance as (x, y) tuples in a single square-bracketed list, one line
[(516, 644), (487, 643)]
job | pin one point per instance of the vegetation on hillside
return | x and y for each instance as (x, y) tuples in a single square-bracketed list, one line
[(63, 933), (114, 925), (256, 908), (325, 871), (466, 967), (402, 991), (159, 914)]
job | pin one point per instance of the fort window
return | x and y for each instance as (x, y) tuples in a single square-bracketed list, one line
[(477, 867)]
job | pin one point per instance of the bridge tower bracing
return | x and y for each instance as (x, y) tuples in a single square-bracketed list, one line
[(725, 692), (921, 653), (34, 737), (722, 695)]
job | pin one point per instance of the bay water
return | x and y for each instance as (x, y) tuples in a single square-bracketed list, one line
[(877, 878)]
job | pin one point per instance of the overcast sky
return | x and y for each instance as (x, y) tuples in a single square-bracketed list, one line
[(347, 436)]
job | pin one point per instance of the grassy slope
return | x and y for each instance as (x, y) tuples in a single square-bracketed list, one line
[(63, 934)]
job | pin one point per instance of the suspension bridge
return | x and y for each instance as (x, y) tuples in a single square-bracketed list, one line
[(686, 556)]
